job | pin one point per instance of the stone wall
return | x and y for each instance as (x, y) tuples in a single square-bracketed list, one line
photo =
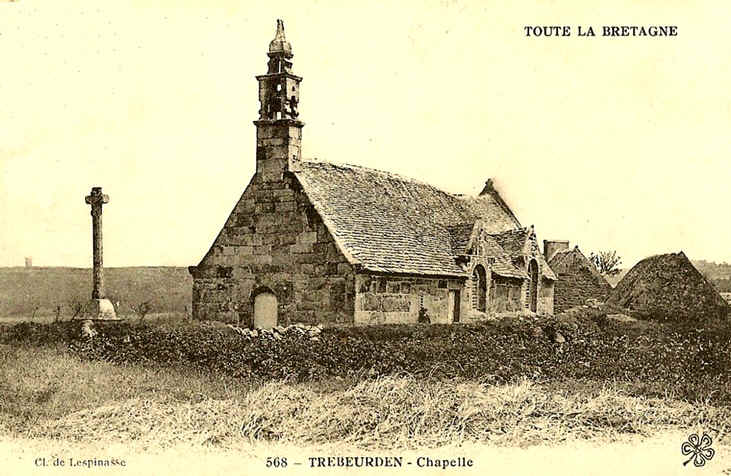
[(545, 290), (274, 240), (546, 296), (394, 299), (576, 286), (506, 295)]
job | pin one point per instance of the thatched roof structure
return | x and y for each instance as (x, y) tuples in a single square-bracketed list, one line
[(668, 287)]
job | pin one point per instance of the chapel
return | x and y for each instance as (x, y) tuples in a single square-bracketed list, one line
[(321, 243)]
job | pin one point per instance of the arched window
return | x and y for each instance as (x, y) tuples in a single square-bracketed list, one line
[(533, 285), (479, 289)]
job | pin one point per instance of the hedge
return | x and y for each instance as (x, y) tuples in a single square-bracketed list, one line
[(692, 363)]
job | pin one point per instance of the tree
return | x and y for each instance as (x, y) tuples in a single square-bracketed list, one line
[(607, 262)]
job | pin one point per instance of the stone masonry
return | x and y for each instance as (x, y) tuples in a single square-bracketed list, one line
[(578, 279), (274, 240), (314, 242), (399, 299)]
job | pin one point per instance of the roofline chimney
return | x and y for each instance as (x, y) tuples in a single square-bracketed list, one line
[(551, 247)]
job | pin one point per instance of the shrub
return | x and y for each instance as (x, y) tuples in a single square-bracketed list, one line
[(692, 362)]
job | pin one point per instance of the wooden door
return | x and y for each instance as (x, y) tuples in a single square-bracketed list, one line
[(265, 311), (453, 303)]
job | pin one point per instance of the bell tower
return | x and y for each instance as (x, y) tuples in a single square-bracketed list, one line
[(278, 129)]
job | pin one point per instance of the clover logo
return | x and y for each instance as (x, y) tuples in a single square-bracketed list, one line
[(699, 449)]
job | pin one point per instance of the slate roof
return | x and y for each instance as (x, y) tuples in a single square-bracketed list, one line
[(571, 260), (460, 236), (546, 270), (502, 262), (514, 244), (568, 260), (513, 241), (492, 209), (503, 266), (393, 224)]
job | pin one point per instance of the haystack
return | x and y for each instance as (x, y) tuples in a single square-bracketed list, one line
[(669, 288)]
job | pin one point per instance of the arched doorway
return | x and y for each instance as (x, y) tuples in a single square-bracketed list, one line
[(265, 310), (479, 289), (533, 285)]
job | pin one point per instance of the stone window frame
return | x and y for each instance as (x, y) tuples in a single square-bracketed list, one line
[(259, 290), (532, 260), (479, 288)]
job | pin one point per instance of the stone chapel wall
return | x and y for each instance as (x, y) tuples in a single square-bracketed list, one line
[(274, 240), (396, 299)]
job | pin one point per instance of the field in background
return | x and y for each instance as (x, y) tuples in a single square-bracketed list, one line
[(37, 292), (129, 316)]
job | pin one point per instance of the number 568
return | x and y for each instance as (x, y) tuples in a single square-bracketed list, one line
[(276, 462)]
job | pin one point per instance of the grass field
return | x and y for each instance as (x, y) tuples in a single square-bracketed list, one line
[(162, 418), (128, 316), (43, 292)]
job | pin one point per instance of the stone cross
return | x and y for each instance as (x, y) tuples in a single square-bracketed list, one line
[(96, 199)]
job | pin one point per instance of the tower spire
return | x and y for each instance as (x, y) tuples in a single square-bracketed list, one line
[(278, 129), (280, 45), (279, 88)]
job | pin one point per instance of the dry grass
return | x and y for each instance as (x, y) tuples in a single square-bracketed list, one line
[(39, 384), (408, 413), (45, 393)]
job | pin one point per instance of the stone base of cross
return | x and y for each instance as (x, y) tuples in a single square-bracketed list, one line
[(99, 308)]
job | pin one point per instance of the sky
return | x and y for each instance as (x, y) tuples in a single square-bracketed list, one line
[(611, 143)]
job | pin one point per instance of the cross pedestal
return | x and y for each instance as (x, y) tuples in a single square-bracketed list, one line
[(99, 307)]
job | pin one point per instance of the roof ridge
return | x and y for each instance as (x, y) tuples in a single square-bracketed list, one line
[(522, 229), (394, 175), (389, 222), (560, 258)]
